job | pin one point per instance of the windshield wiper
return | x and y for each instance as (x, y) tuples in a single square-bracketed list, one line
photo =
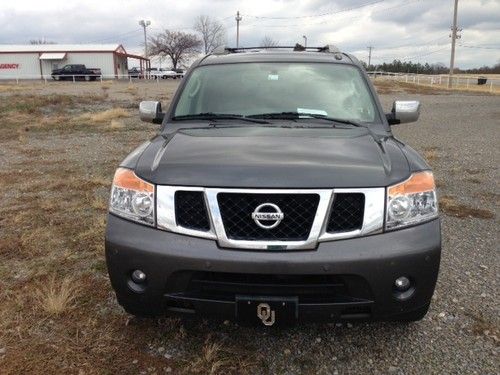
[(211, 116), (298, 115)]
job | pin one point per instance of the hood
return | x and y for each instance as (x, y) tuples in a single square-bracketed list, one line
[(268, 157)]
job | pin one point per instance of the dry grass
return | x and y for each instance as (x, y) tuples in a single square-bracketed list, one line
[(132, 90), (11, 88), (451, 207), (116, 124), (215, 359), (104, 116), (210, 360), (386, 86), (57, 297)]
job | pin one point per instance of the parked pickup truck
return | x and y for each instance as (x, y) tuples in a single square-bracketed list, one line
[(275, 192), (77, 72)]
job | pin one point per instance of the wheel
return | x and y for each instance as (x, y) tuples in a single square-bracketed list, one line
[(87, 78), (57, 78), (164, 77)]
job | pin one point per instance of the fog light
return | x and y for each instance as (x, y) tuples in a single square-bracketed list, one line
[(402, 284), (138, 276)]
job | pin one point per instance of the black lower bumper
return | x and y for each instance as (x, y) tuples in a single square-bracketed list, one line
[(345, 279)]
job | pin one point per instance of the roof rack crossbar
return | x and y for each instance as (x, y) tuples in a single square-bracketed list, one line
[(225, 50)]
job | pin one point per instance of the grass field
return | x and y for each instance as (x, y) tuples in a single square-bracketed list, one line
[(59, 147)]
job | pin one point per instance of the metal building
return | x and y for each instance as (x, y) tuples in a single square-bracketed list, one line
[(37, 61)]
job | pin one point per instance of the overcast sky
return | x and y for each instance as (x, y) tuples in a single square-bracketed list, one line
[(416, 30)]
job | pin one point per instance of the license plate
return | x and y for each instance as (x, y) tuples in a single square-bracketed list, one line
[(267, 310)]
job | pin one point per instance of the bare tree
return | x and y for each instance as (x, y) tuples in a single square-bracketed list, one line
[(267, 41), (175, 44), (213, 33), (41, 41), (299, 47)]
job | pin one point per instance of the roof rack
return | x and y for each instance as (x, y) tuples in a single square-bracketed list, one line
[(222, 50)]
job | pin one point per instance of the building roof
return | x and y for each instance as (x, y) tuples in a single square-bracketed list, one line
[(53, 56), (62, 48)]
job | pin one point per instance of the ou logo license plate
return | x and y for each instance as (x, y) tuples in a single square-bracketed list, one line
[(265, 314), (267, 310)]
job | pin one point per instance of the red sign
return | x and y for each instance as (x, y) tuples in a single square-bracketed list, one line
[(9, 66)]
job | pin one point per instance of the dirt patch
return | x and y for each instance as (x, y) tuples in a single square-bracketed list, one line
[(431, 153), (484, 327), (451, 207)]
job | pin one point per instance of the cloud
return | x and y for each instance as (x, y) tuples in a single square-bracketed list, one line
[(396, 28)]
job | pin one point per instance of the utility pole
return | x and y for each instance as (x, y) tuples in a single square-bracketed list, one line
[(238, 19), (305, 40), (145, 24), (369, 56), (454, 37)]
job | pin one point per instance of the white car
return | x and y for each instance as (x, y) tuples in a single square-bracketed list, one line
[(164, 74)]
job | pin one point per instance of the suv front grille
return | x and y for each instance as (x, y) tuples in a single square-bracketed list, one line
[(347, 212), (299, 212), (270, 219), (191, 210)]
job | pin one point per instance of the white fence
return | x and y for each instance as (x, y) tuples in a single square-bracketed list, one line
[(492, 84), (78, 78), (460, 81)]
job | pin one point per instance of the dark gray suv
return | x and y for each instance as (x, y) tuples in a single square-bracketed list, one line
[(275, 192)]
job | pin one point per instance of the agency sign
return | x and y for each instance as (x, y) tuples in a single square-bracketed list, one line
[(9, 66)]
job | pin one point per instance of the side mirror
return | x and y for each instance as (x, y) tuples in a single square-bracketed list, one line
[(150, 111), (404, 111)]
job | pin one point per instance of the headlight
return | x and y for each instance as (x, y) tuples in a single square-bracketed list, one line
[(412, 201), (132, 198)]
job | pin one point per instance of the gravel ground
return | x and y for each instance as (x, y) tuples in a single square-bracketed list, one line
[(460, 334)]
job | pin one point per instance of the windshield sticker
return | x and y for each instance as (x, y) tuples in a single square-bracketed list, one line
[(312, 111), (273, 77)]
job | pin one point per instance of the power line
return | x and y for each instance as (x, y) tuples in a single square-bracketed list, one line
[(479, 47), (426, 43), (424, 54), (417, 56), (288, 25), (319, 15)]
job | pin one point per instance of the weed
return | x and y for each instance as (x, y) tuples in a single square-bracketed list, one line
[(56, 298), (105, 116)]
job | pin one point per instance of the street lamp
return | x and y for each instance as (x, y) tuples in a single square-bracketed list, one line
[(145, 24), (305, 40)]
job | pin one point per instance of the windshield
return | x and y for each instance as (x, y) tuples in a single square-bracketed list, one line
[(250, 89)]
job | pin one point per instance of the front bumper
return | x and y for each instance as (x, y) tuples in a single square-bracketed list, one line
[(360, 271)]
